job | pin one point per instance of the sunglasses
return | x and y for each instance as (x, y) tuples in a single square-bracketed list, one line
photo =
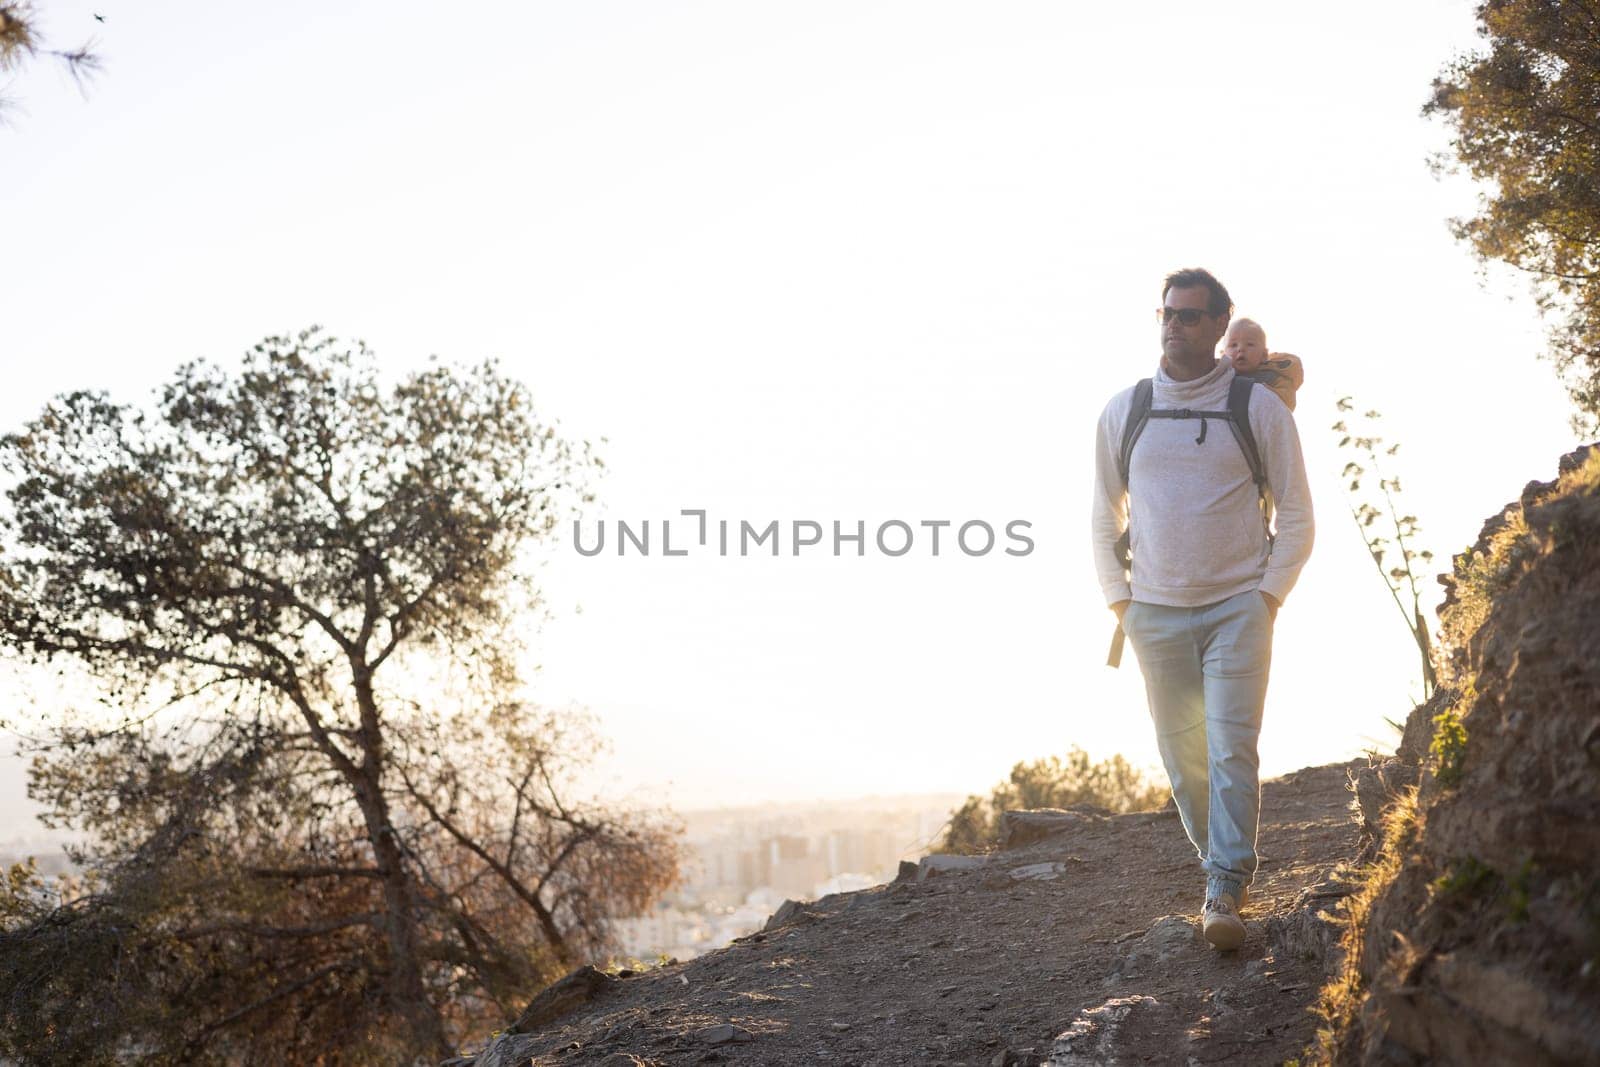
[(1187, 316)]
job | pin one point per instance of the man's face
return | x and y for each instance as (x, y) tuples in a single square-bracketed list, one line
[(1246, 346), (1191, 344)]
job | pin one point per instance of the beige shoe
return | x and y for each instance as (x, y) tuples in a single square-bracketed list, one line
[(1219, 922)]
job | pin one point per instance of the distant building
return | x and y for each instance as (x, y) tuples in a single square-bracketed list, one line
[(744, 864)]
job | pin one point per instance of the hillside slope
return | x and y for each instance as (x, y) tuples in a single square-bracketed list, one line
[(1076, 947), (1477, 939)]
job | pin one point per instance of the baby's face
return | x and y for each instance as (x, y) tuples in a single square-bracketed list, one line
[(1245, 347)]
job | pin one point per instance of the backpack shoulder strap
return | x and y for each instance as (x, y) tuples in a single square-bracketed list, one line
[(1138, 416), (1239, 421)]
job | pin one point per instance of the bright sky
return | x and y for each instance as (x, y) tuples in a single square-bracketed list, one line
[(829, 261)]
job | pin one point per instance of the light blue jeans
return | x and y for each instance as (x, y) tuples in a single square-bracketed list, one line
[(1205, 672)]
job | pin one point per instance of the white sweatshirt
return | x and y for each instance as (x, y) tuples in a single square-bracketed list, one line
[(1197, 535)]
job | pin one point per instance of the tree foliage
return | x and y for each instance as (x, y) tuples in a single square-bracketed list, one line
[(325, 828), (1391, 537), (1525, 119), (22, 41), (1051, 782)]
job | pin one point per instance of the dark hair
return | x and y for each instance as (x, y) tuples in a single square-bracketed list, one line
[(1193, 277)]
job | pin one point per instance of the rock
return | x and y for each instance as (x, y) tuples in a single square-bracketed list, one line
[(1102, 1036), (788, 911), (1501, 995), (1417, 734), (1376, 786), (724, 1034), (507, 1050), (1576, 458), (1040, 872), (908, 871), (1367, 785), (571, 992), (1141, 817), (944, 864), (1019, 828), (1167, 938), (1485, 1014), (1311, 929)]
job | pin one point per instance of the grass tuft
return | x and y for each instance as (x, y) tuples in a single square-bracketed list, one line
[(1467, 877), (1340, 1000), (1449, 746)]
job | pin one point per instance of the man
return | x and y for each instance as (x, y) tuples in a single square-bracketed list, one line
[(1204, 578)]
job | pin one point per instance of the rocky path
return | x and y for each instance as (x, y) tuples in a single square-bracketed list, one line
[(1080, 947)]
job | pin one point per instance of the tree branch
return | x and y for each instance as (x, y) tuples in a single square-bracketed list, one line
[(295, 873)]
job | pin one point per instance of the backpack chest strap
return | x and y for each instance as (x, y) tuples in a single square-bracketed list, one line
[(1190, 413)]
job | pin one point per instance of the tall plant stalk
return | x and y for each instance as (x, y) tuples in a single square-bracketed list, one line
[(1385, 528)]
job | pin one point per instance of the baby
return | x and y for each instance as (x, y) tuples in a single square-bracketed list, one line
[(1245, 346)]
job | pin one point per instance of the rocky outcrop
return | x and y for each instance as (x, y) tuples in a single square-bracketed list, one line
[(1104, 1035), (1312, 929), (1480, 940), (575, 990)]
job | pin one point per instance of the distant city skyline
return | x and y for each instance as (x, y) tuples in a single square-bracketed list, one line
[(744, 863)]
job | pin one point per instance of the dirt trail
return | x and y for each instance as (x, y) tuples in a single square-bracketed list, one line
[(1078, 948)]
